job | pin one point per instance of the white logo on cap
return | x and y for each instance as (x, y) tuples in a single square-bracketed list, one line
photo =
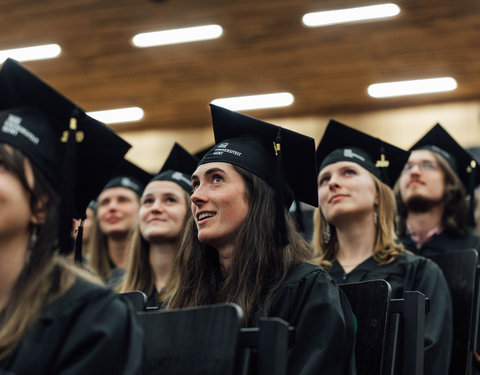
[(222, 145), (180, 177), (350, 154), (125, 181), (12, 125)]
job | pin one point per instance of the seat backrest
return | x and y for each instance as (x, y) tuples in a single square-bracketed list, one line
[(199, 340), (460, 271), (138, 299), (263, 350), (404, 350), (370, 305)]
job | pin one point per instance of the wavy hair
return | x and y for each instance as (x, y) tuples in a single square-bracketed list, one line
[(386, 248), (258, 267), (139, 274)]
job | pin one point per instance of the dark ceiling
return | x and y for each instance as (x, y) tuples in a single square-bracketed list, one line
[(264, 48)]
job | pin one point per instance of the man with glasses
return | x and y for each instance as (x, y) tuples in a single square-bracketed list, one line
[(435, 196)]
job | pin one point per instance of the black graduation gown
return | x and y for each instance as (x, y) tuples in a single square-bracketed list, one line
[(310, 301), (115, 278), (153, 301), (88, 330), (442, 243), (411, 272)]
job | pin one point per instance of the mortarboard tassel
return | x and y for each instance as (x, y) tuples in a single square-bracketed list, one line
[(281, 226), (383, 165), (472, 174), (69, 180), (79, 242)]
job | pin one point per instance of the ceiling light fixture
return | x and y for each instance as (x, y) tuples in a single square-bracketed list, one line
[(281, 99), (46, 51), (419, 86), (112, 116), (351, 14), (174, 36)]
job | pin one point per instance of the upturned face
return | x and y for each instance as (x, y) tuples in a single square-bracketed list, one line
[(346, 190), (219, 203), (117, 211), (422, 178), (163, 208)]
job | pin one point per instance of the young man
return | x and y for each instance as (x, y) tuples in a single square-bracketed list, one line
[(435, 196)]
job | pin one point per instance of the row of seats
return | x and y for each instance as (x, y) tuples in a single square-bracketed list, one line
[(389, 340)]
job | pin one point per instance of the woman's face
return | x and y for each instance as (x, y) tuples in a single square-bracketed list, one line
[(219, 203), (163, 208), (15, 213), (346, 189), (117, 211)]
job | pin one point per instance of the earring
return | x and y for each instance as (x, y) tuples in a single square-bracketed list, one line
[(33, 241), (327, 234), (375, 217)]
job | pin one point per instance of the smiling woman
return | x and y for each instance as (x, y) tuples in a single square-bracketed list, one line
[(116, 218), (242, 246), (164, 212)]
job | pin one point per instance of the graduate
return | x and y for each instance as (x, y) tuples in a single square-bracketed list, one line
[(354, 234), (242, 246), (434, 213), (116, 219), (164, 212), (53, 318)]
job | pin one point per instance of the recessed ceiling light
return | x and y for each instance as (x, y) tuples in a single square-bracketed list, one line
[(112, 116), (418, 86), (281, 99), (189, 34), (351, 14), (46, 51)]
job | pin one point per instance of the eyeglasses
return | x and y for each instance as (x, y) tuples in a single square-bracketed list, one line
[(424, 166)]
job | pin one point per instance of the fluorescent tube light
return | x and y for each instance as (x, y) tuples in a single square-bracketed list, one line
[(281, 99), (112, 116), (351, 14), (419, 86), (46, 51), (189, 34)]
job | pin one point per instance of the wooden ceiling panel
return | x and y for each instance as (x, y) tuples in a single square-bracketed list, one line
[(264, 48)]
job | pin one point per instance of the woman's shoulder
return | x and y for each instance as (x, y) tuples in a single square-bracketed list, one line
[(83, 293), (409, 259), (300, 272)]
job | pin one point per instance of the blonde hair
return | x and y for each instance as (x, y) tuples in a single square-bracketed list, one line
[(139, 274), (386, 248), (97, 250)]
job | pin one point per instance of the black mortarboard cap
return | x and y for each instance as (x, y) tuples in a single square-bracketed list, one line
[(284, 159), (460, 160), (178, 168), (463, 163), (74, 151), (343, 143), (129, 176), (202, 152)]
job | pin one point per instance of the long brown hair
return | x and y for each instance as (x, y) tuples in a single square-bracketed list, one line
[(386, 248), (43, 278), (454, 218), (258, 267), (139, 275)]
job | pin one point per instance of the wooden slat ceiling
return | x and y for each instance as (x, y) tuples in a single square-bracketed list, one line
[(265, 48)]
